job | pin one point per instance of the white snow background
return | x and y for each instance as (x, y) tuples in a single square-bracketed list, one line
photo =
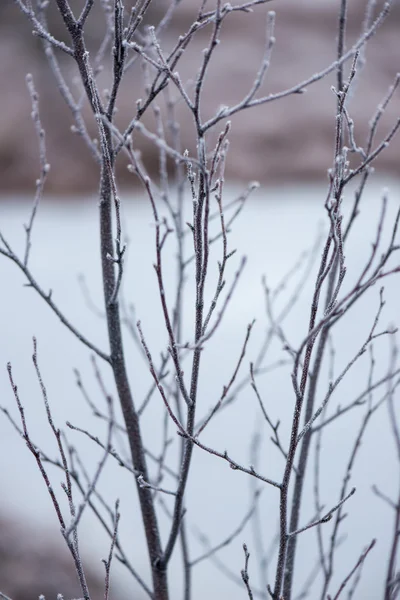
[(276, 225)]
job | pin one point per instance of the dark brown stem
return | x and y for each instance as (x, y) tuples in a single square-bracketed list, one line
[(301, 468), (159, 575), (117, 359), (391, 569)]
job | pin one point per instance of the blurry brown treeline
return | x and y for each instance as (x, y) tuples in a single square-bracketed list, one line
[(281, 141), (33, 565)]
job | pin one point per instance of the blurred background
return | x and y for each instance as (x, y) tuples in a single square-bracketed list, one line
[(287, 140), (288, 146)]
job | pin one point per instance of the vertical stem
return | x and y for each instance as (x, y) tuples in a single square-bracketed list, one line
[(159, 574), (391, 570), (301, 468), (314, 375), (201, 268), (117, 359), (187, 590), (187, 569)]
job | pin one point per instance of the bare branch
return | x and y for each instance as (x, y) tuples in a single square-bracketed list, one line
[(357, 566), (245, 572)]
